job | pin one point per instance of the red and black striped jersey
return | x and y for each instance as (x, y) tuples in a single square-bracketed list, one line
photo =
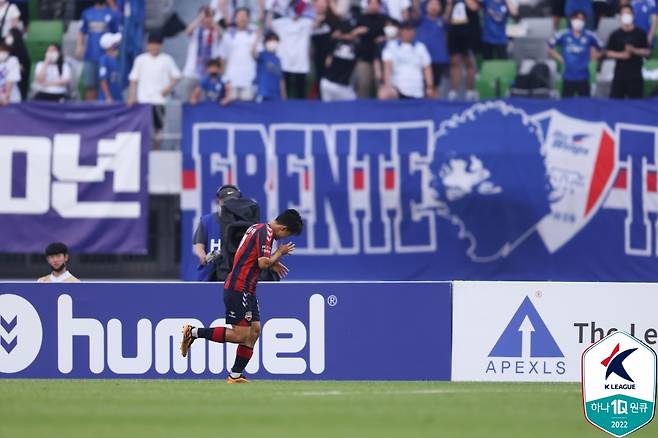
[(256, 242)]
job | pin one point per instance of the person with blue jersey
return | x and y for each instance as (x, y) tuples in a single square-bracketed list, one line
[(578, 46), (646, 17), (494, 36), (270, 85), (207, 237), (584, 6), (212, 87), (96, 21), (109, 73), (431, 31)]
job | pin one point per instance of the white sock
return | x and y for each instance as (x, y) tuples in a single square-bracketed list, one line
[(194, 333), (235, 375)]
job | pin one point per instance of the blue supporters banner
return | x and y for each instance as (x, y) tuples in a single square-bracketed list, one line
[(427, 190), (74, 173), (309, 331)]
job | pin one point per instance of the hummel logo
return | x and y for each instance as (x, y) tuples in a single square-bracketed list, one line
[(8, 342)]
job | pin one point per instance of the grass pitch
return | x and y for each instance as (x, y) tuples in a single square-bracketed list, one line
[(203, 408)]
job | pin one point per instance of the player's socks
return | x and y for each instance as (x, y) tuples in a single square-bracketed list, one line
[(215, 334), (242, 357)]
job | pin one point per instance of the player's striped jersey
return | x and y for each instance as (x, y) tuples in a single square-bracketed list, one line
[(256, 242)]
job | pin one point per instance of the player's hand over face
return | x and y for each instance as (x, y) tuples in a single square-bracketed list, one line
[(287, 248)]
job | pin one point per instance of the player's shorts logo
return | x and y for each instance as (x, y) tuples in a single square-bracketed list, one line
[(247, 316), (21, 333), (619, 384)]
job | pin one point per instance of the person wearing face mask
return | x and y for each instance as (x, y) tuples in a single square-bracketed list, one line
[(646, 17), (577, 46), (270, 85), (10, 75), (52, 76), (584, 6), (212, 87), (204, 42), (407, 71), (628, 46)]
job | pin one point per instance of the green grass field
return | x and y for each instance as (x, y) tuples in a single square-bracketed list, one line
[(203, 408)]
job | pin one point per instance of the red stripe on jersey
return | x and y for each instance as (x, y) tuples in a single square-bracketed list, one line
[(256, 243)]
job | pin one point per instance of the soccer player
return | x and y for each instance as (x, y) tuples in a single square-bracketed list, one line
[(57, 254), (242, 311)]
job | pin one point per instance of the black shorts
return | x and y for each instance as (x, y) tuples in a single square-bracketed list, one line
[(462, 42), (241, 308), (438, 70)]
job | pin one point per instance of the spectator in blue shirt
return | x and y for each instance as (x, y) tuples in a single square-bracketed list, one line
[(96, 21), (494, 36), (270, 84), (646, 17), (578, 46), (212, 87), (109, 73), (432, 32)]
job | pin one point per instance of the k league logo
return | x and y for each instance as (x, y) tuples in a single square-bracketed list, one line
[(619, 384), (21, 333)]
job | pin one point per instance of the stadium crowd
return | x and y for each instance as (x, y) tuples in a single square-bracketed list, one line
[(328, 49)]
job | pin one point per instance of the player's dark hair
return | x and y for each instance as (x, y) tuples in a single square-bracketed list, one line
[(56, 248), (292, 220)]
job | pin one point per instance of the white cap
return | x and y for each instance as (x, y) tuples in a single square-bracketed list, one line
[(110, 39)]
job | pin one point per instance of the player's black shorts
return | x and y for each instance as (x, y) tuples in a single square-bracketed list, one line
[(241, 308)]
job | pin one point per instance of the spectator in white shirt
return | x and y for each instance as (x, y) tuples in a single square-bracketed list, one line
[(294, 48), (52, 76), (10, 75), (407, 67), (236, 51), (152, 78), (204, 44), (10, 17)]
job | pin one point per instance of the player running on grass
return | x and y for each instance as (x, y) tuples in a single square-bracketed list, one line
[(242, 311)]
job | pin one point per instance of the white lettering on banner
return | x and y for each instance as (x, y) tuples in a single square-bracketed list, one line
[(376, 216), (121, 156), (37, 175), (280, 336)]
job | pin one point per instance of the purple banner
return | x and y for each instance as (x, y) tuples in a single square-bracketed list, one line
[(318, 331), (74, 173)]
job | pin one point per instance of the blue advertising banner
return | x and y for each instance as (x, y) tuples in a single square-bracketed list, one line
[(371, 331), (427, 190), (74, 173)]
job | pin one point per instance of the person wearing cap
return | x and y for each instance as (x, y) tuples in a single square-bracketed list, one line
[(57, 255), (407, 67), (152, 78), (96, 21), (207, 237), (109, 73), (52, 76)]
